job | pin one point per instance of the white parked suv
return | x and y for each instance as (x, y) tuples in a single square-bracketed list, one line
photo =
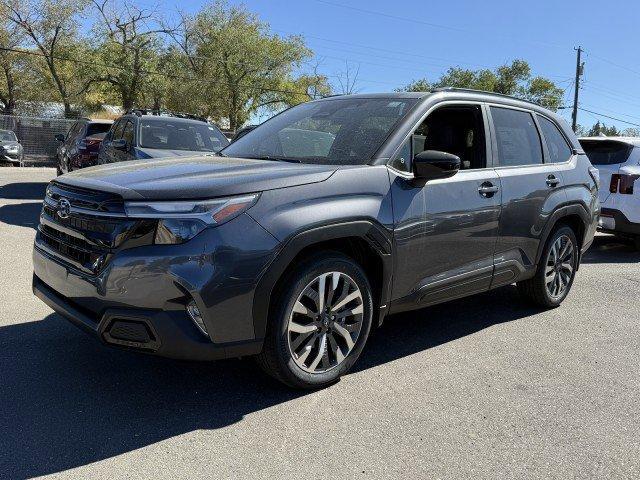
[(618, 160)]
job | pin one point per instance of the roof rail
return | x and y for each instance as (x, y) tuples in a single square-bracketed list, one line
[(484, 92), (164, 113)]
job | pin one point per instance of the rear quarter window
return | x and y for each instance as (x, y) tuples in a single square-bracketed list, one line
[(557, 146)]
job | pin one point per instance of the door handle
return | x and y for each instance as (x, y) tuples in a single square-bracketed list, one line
[(552, 181), (487, 189)]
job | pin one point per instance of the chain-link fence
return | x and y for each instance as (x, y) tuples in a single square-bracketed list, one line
[(37, 136)]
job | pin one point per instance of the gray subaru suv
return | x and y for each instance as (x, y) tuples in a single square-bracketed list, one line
[(301, 236)]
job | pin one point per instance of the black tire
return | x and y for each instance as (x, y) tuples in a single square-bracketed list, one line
[(535, 289), (58, 171), (276, 358), (637, 242)]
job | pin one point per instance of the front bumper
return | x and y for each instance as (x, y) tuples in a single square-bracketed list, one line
[(138, 300), (12, 157)]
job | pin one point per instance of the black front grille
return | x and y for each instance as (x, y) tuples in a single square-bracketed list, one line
[(88, 230), (90, 200), (78, 250), (102, 225)]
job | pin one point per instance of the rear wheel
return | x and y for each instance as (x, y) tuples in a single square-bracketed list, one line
[(321, 323), (556, 270)]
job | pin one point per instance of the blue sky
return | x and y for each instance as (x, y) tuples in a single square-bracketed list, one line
[(431, 36)]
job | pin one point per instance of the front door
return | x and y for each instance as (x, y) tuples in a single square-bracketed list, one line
[(445, 230)]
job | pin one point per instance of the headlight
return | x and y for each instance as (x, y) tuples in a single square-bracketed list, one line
[(12, 149), (182, 220)]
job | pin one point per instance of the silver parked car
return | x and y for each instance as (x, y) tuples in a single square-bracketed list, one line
[(10, 148)]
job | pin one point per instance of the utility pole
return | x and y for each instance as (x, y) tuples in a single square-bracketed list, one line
[(579, 72)]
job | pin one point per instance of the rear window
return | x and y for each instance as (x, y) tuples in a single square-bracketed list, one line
[(517, 137), (94, 128), (181, 135), (606, 152)]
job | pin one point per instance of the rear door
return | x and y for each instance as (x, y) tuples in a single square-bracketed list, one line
[(531, 188)]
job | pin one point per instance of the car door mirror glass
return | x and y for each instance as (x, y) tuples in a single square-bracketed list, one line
[(433, 164)]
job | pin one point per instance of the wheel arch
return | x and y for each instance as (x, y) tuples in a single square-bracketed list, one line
[(575, 216), (366, 241)]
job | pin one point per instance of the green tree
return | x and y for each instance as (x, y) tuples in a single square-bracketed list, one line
[(600, 129), (630, 132), (514, 79), (51, 26), (127, 48), (240, 67)]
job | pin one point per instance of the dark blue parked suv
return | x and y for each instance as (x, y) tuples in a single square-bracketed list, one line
[(305, 233), (142, 134)]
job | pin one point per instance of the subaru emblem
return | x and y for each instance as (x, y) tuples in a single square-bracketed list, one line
[(64, 208)]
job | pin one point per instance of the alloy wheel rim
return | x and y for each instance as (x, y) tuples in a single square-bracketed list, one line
[(325, 322), (559, 267)]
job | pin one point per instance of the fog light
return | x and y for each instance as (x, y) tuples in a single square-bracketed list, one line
[(196, 316)]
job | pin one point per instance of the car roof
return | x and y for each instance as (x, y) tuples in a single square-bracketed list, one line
[(635, 141), (453, 93), (101, 120)]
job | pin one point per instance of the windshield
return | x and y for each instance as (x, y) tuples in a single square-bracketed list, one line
[(6, 136), (94, 128), (168, 134), (606, 152), (339, 131)]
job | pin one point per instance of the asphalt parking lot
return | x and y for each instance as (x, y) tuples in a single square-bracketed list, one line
[(484, 387)]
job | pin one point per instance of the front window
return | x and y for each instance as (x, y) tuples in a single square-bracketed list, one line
[(169, 134), (7, 136), (340, 131)]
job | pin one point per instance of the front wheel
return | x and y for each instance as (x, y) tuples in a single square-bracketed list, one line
[(320, 324), (556, 270)]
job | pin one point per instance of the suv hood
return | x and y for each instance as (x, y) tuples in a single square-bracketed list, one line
[(194, 177)]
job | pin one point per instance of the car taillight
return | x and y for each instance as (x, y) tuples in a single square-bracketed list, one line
[(621, 183)]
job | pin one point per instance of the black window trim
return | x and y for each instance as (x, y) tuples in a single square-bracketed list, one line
[(494, 140), (429, 110)]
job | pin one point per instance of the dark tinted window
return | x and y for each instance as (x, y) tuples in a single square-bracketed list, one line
[(165, 133), (606, 152), (127, 133), (558, 148), (117, 130), (517, 137), (94, 128), (341, 131)]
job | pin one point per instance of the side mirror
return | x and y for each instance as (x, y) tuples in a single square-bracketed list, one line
[(432, 165), (59, 137), (120, 144)]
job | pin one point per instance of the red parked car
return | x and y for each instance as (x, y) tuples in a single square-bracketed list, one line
[(79, 147)]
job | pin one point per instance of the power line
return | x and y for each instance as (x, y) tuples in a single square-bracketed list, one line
[(609, 117), (429, 24)]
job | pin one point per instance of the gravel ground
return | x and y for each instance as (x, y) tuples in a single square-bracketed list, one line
[(484, 387)]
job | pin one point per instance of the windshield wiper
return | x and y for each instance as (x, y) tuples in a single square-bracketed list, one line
[(277, 159)]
